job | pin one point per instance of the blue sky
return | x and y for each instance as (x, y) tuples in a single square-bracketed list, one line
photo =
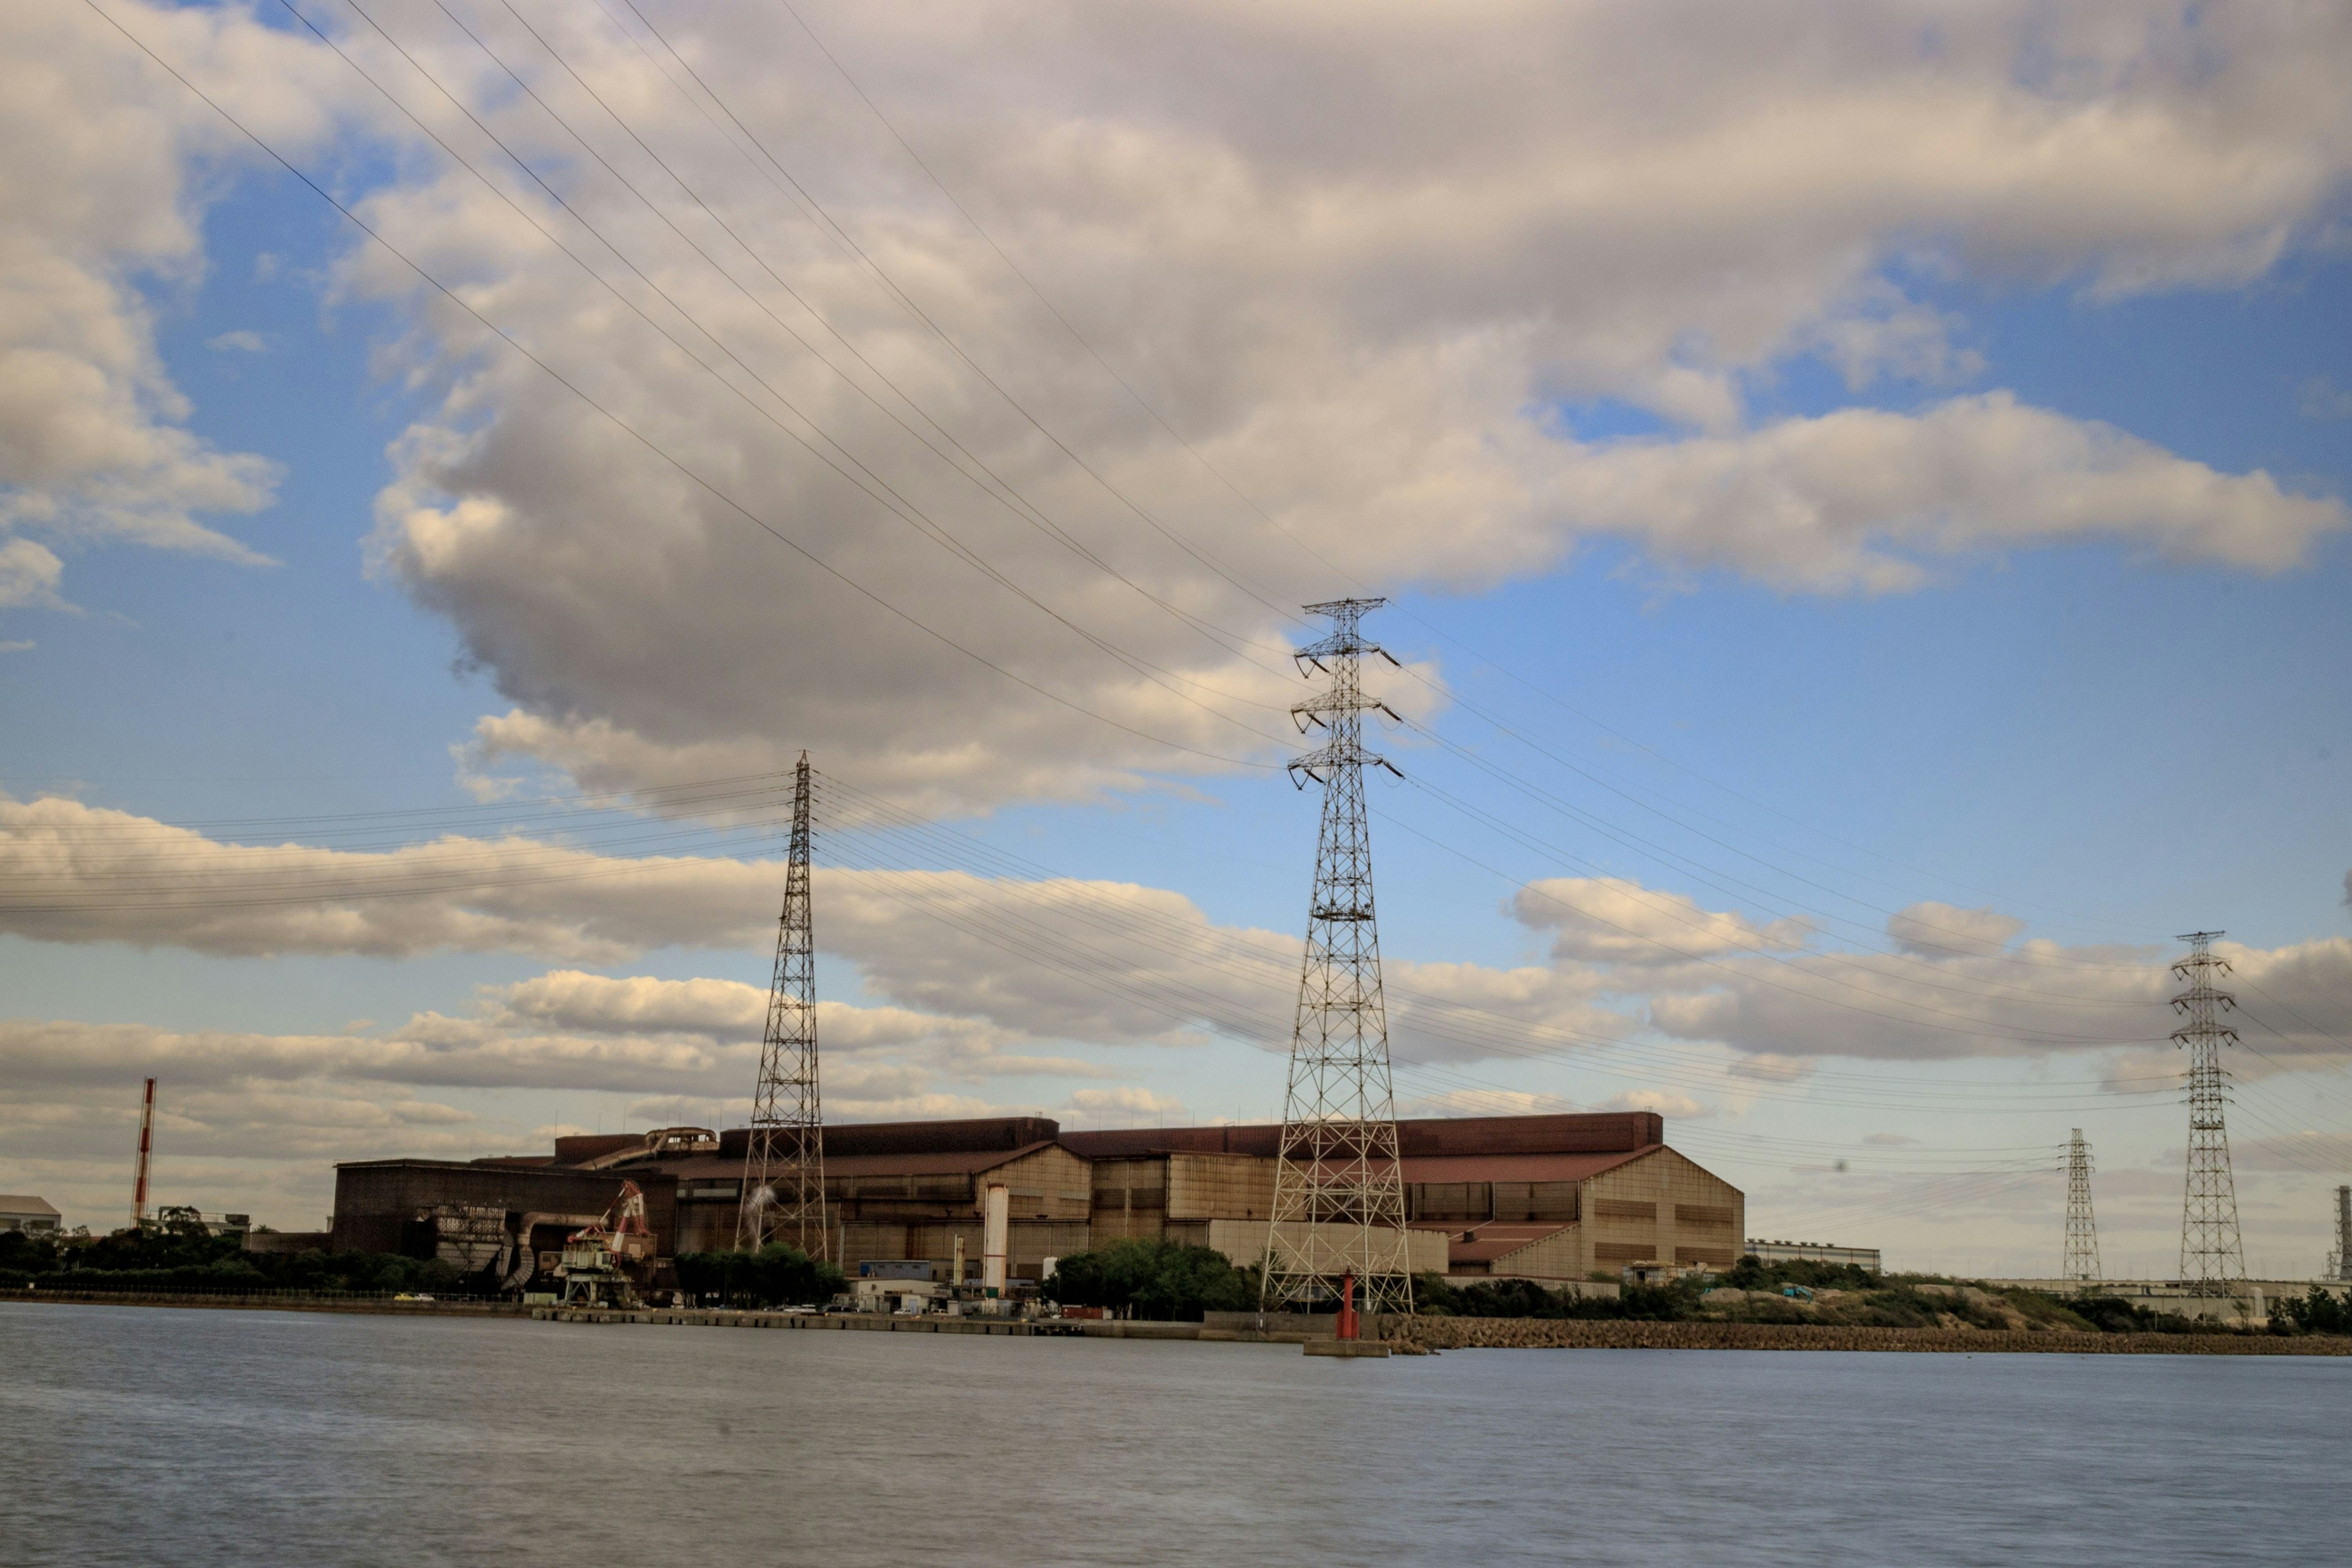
[(2112, 713)]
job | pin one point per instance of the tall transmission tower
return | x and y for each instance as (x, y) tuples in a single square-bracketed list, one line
[(783, 1167), (1336, 1231), (2081, 1228), (2339, 1263), (2212, 1254)]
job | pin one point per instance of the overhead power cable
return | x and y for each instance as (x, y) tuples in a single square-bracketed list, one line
[(865, 479), (1085, 344), (641, 439)]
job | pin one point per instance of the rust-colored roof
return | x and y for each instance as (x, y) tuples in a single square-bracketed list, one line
[(952, 1162), (1419, 1138), (1519, 1167), (1486, 1243)]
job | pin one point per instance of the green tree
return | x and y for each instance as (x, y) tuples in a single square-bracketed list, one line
[(777, 1274), (2318, 1313), (1169, 1280)]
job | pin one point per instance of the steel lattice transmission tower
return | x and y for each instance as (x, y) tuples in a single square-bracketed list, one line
[(2081, 1228), (2211, 1255), (1338, 1188), (2339, 1262), (784, 1167)]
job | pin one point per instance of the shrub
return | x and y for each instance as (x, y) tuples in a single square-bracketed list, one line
[(1528, 1298)]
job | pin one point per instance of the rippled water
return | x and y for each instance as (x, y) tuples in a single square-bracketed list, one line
[(160, 1437)]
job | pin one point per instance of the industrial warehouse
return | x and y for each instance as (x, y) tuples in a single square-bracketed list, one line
[(1548, 1198)]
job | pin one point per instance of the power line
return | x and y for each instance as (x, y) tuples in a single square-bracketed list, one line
[(648, 443), (1201, 459)]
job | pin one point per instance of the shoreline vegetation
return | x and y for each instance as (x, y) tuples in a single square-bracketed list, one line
[(1747, 1306)]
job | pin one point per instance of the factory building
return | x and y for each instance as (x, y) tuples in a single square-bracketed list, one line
[(506, 1216), (1551, 1198), (1542, 1197), (24, 1212)]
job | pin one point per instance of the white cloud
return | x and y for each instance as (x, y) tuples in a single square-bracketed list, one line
[(1867, 500), (1609, 920), (243, 341), (1668, 1103), (29, 577), (1125, 1102), (74, 865), (1367, 309), (1934, 930), (111, 166), (265, 1115)]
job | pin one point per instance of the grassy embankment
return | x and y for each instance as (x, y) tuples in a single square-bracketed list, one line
[(1850, 1308)]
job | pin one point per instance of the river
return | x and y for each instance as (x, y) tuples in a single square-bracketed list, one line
[(150, 1437)]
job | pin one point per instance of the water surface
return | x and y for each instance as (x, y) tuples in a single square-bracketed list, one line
[(145, 1436)]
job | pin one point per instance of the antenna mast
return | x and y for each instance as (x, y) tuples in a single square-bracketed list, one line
[(2212, 1254), (1337, 1222), (2082, 1228), (783, 1165)]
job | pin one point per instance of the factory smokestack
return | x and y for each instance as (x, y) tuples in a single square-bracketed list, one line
[(146, 1145)]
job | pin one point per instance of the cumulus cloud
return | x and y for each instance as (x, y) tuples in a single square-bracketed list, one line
[(1368, 313), (102, 202), (261, 1116), (1934, 930), (1614, 921), (1374, 308), (80, 873), (1865, 499), (28, 575), (1665, 1103)]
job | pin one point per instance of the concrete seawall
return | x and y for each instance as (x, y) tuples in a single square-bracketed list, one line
[(1414, 1336)]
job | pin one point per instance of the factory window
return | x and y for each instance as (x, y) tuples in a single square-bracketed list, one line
[(1449, 1200), (1703, 1213), (1623, 1208)]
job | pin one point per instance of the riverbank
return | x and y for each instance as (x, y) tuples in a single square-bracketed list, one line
[(1416, 1336), (1552, 1333), (290, 1301)]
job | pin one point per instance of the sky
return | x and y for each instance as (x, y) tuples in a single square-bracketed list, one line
[(1861, 492)]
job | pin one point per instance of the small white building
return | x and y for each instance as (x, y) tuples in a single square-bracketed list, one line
[(34, 1216)]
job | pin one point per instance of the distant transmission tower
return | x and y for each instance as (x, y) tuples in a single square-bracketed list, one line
[(2212, 1254), (1338, 1188), (2339, 1263), (784, 1167), (2082, 1228)]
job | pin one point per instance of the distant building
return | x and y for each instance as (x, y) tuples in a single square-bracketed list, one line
[(1813, 1252), (32, 1216), (1551, 1198)]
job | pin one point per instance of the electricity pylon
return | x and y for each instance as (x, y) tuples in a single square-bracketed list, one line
[(1337, 1222), (2082, 1228), (784, 1167), (2211, 1255), (2339, 1263)]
